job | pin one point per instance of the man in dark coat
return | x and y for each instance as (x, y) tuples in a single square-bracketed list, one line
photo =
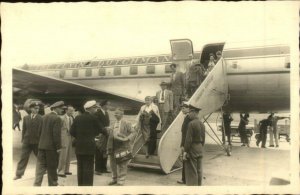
[(227, 119), (185, 111), (263, 130), (49, 146), (32, 125), (84, 129), (193, 148), (101, 140)]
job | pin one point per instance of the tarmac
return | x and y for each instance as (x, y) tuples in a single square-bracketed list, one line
[(246, 166)]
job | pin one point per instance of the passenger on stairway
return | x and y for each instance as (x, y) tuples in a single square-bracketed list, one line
[(219, 55), (177, 87), (195, 76), (211, 63), (148, 120)]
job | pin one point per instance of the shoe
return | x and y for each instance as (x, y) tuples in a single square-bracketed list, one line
[(112, 183), (17, 177), (263, 147), (180, 182), (248, 145), (98, 173), (243, 145), (147, 156), (277, 146), (61, 175), (271, 145), (68, 173), (105, 171), (257, 144), (119, 184)]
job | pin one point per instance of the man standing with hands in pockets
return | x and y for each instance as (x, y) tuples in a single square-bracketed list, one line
[(49, 146)]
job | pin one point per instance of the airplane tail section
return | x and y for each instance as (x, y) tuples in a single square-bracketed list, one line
[(210, 96)]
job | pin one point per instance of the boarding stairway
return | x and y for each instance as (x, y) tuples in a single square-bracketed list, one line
[(210, 97)]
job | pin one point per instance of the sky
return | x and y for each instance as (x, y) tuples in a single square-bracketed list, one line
[(62, 32)]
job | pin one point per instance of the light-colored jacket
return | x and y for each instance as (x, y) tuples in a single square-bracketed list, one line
[(168, 105), (154, 108), (65, 130)]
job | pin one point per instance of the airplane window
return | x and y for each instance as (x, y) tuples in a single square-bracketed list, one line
[(133, 70), (150, 69), (88, 72), (67, 66), (62, 73), (101, 72), (94, 64), (75, 73), (117, 71), (168, 68)]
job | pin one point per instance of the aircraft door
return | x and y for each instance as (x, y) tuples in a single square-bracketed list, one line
[(182, 53)]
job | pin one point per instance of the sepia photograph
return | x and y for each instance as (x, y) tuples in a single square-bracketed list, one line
[(145, 97)]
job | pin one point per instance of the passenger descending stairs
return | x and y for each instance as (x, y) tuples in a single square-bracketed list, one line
[(210, 96)]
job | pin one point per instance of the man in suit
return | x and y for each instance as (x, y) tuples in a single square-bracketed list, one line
[(32, 125), (84, 129), (120, 138), (195, 77), (193, 148), (66, 142), (101, 140), (49, 146), (177, 87), (165, 105), (263, 130)]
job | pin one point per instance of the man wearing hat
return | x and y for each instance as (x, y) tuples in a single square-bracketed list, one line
[(177, 87), (165, 105), (49, 146), (193, 148), (195, 76), (32, 124), (184, 127), (84, 129)]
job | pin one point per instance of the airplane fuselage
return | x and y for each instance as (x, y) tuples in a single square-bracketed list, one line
[(258, 77)]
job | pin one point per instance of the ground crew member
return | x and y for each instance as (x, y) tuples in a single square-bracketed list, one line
[(184, 127), (227, 130), (242, 129), (49, 146), (263, 129), (66, 142), (273, 131), (193, 148), (32, 125), (177, 87), (84, 129)]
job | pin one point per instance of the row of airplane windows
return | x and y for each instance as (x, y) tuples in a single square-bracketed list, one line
[(117, 71)]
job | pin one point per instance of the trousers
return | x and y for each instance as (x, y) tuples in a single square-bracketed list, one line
[(25, 154), (119, 170), (262, 137), (65, 157), (46, 160), (274, 134), (85, 170), (193, 171), (100, 161)]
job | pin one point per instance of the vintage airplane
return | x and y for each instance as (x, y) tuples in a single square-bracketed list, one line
[(247, 78)]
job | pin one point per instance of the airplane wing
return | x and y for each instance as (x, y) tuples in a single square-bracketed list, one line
[(48, 89)]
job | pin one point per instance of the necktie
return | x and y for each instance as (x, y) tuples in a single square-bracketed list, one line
[(163, 95), (32, 116)]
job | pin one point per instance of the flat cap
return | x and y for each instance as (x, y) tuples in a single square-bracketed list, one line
[(185, 104), (163, 83), (33, 104), (195, 108), (58, 104), (89, 104)]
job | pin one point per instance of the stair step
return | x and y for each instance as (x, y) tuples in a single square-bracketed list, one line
[(145, 165), (138, 158)]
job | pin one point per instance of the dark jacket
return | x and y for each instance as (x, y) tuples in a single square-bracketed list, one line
[(31, 129), (184, 128), (104, 119), (50, 138), (195, 138), (84, 129)]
